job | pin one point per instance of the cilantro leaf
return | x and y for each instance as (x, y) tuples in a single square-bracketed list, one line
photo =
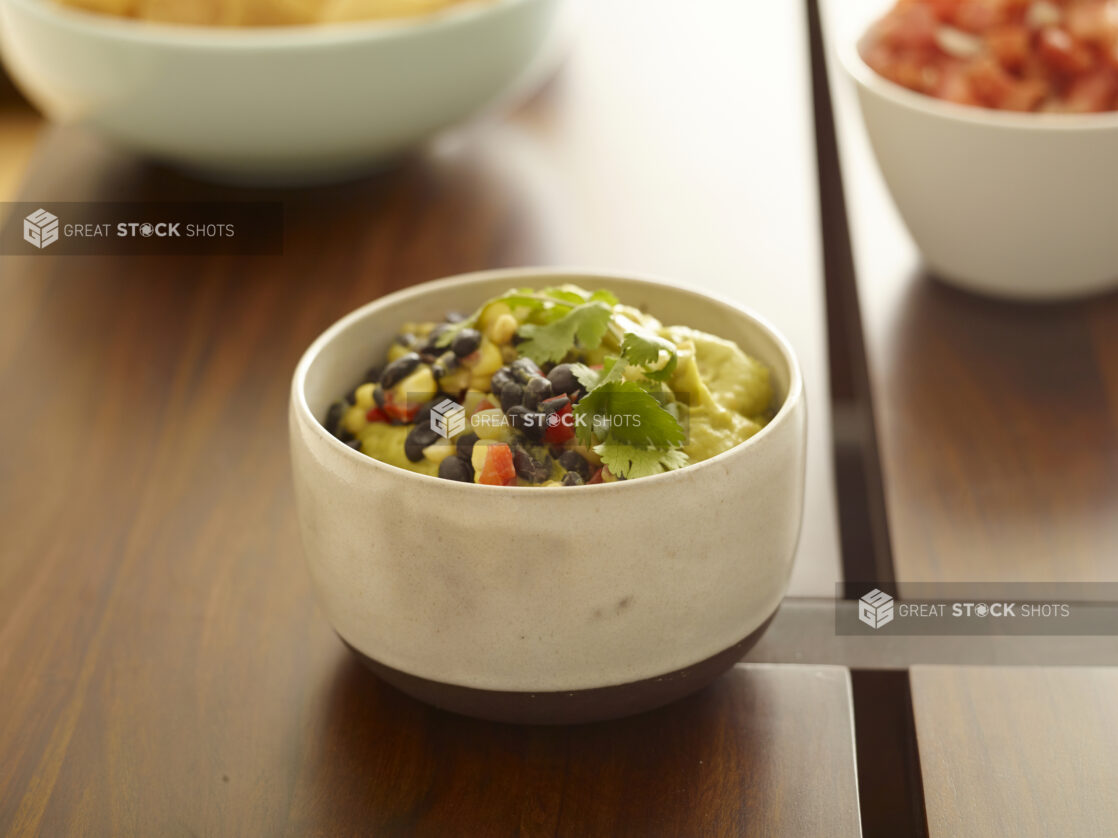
[(542, 307), (624, 412), (583, 326), (587, 377), (643, 349), (604, 296), (631, 462)]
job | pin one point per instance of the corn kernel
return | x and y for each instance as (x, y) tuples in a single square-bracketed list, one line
[(477, 458), (416, 388), (492, 312), (490, 424), (363, 395), (472, 399), (489, 360), (439, 451), (354, 419), (502, 330), (455, 382)]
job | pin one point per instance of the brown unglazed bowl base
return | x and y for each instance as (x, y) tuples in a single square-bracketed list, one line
[(568, 707)]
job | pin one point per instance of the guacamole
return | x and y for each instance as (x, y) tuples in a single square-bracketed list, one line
[(553, 387)]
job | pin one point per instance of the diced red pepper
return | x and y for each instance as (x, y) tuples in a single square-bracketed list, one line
[(401, 412), (498, 469), (597, 478), (375, 414), (560, 426), (484, 404)]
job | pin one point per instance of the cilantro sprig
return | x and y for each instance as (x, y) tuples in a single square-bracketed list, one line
[(582, 327), (621, 414), (631, 462), (556, 320)]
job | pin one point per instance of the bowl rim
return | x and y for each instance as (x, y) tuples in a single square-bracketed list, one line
[(203, 36), (850, 57), (792, 398)]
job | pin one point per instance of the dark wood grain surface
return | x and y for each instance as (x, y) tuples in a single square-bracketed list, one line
[(997, 422), (1018, 752), (164, 668)]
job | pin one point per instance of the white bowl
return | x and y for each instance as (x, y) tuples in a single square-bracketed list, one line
[(547, 604), (282, 104), (1016, 205)]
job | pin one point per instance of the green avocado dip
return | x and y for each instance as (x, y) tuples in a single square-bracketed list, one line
[(553, 387)]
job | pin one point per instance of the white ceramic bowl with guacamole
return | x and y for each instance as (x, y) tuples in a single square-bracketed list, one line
[(279, 104), (541, 604)]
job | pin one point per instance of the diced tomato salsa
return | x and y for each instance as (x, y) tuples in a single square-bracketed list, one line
[(1057, 56)]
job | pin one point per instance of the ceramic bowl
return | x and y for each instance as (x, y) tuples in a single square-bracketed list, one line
[(1014, 205), (547, 605), (271, 105)]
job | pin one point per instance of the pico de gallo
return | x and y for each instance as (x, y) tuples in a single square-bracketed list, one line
[(553, 387), (1057, 56)]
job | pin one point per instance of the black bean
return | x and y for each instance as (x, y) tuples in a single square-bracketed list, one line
[(406, 339), (423, 415), (523, 463), (523, 369), (512, 394), (498, 380), (345, 436), (562, 379), (517, 414), (355, 444), (572, 478), (527, 365), (537, 389), (446, 363), (430, 345), (529, 423), (466, 342), (456, 468), (334, 417), (419, 437), (373, 374), (527, 466), (378, 395), (399, 369), (466, 444), (572, 461)]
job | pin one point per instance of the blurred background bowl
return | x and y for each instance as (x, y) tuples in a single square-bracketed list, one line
[(1014, 205), (281, 104)]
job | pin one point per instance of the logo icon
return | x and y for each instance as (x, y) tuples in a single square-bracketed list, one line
[(40, 229), (448, 418), (875, 609)]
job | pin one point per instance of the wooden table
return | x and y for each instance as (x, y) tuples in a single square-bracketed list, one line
[(1018, 752), (164, 667)]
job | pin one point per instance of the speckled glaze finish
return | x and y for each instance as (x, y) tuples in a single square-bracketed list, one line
[(529, 590)]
